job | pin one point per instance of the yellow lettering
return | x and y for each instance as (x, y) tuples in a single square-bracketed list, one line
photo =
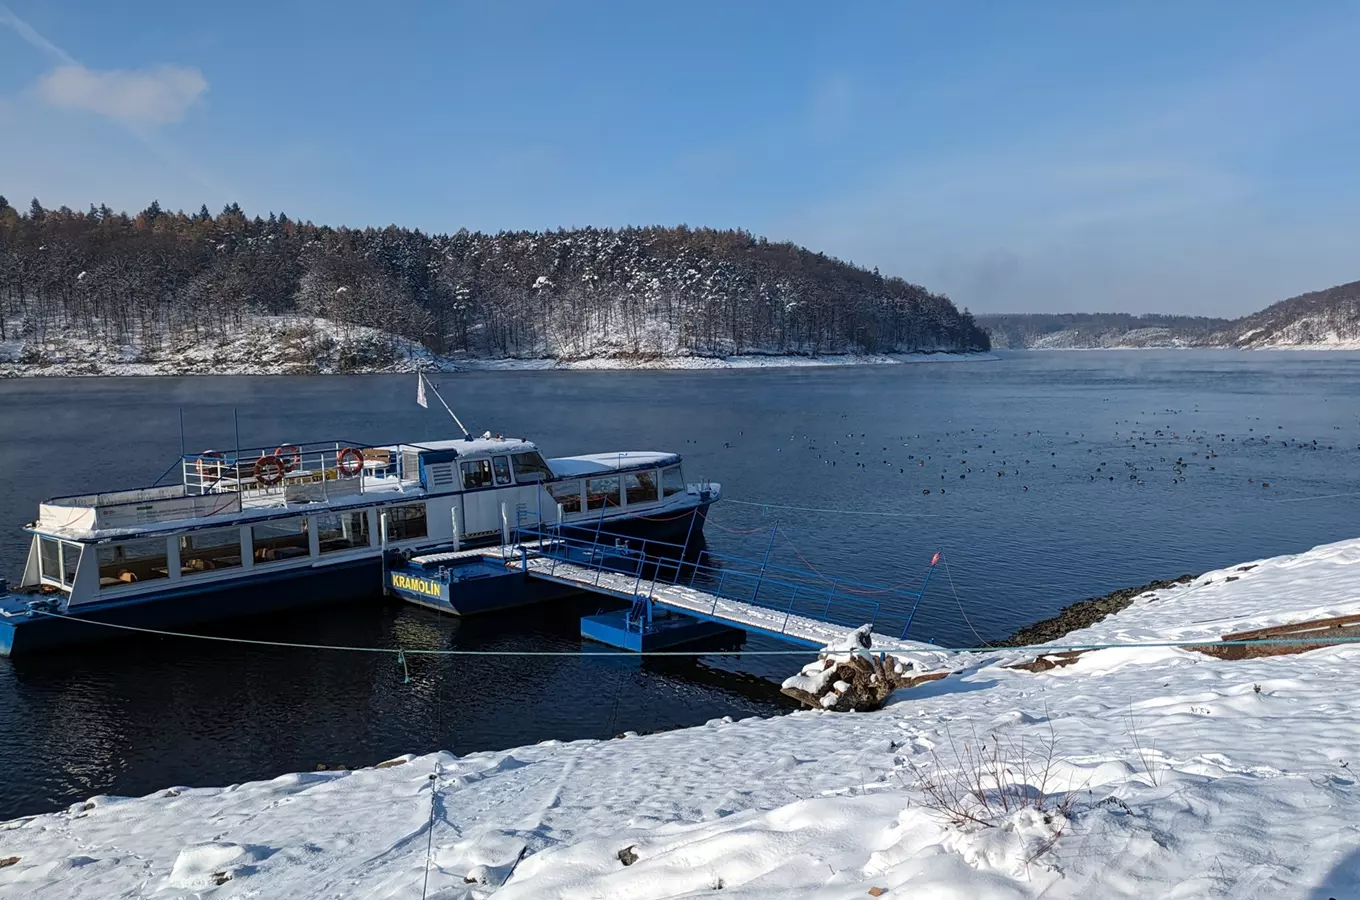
[(418, 585)]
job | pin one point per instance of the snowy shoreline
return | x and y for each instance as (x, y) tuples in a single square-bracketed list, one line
[(1136, 771), (431, 363)]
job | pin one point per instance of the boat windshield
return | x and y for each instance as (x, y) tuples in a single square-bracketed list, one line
[(530, 467)]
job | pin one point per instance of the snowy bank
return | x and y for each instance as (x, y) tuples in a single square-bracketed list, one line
[(1133, 772), (305, 345)]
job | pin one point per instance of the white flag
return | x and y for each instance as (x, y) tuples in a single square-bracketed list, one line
[(420, 391)]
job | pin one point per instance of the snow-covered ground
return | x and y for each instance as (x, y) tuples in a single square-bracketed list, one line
[(263, 345), (1135, 772)]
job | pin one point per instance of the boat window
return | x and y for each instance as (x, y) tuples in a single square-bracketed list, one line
[(672, 481), (640, 487), (131, 561), (342, 532), (280, 539), (477, 474), (530, 467), (49, 556), (70, 557), (602, 492), (207, 551), (406, 522), (566, 494), (502, 466)]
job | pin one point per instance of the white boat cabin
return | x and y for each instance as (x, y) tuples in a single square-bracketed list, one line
[(250, 513)]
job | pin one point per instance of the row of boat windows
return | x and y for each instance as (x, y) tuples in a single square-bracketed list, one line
[(610, 491), (210, 550)]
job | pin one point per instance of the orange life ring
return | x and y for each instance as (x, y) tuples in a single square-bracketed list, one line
[(269, 470), (217, 466), (350, 462), (291, 454)]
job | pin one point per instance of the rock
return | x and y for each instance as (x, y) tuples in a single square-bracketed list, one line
[(848, 678), (1084, 613), (627, 856), (8, 861)]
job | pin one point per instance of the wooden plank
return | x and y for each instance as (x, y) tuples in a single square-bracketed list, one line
[(1295, 628)]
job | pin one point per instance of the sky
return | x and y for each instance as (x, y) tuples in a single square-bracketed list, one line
[(1198, 158)]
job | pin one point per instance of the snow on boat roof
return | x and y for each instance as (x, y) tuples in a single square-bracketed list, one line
[(593, 463), (466, 446)]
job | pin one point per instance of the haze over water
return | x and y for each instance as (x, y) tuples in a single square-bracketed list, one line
[(1118, 468)]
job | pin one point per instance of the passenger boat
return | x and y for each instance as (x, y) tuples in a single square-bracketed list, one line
[(297, 525)]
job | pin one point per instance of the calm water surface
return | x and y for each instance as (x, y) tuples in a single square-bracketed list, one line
[(1092, 498)]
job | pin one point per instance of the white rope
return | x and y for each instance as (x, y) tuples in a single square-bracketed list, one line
[(983, 640)]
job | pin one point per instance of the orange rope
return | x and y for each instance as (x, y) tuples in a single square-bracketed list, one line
[(668, 518)]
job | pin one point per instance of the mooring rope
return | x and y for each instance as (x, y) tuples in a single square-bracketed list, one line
[(823, 509), (1187, 643), (944, 559)]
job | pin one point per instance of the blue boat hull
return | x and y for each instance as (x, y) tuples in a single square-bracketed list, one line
[(311, 586), (252, 595)]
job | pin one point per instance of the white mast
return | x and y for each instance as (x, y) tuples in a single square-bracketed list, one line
[(424, 382)]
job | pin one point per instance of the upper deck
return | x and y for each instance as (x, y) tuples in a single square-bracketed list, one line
[(266, 481), (271, 481)]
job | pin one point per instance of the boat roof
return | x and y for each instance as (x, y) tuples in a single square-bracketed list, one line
[(596, 463), (470, 445)]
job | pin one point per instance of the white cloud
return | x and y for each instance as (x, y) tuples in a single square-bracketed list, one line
[(151, 96)]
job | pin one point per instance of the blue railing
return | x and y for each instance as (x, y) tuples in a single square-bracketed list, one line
[(793, 592)]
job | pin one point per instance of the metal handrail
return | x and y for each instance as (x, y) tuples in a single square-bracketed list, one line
[(597, 557)]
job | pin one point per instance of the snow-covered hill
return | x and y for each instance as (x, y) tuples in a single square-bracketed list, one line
[(1321, 320), (1139, 771)]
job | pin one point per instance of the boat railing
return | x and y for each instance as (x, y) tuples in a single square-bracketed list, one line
[(307, 472)]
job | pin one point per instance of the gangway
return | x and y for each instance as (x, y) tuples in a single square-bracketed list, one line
[(674, 598)]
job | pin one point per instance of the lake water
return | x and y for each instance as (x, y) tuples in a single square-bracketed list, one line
[(1092, 499)]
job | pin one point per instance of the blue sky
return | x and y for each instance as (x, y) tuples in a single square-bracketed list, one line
[(1170, 157)]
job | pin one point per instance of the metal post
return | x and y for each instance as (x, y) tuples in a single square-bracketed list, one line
[(505, 528), (764, 562), (829, 597), (684, 552), (790, 611), (181, 433), (382, 540), (236, 460), (921, 593), (642, 561)]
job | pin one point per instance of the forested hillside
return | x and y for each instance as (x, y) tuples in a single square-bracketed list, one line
[(1319, 318), (161, 278)]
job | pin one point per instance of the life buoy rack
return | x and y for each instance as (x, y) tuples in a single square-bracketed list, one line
[(291, 454), (350, 462), (210, 461), (269, 470)]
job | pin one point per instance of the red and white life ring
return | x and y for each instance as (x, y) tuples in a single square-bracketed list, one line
[(210, 466), (269, 470), (350, 462), (291, 454)]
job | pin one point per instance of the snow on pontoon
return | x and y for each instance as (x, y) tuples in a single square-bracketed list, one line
[(297, 525)]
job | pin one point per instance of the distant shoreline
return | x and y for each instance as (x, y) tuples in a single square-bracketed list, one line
[(168, 368)]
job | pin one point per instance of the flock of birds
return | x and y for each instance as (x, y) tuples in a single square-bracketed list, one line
[(1135, 453)]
